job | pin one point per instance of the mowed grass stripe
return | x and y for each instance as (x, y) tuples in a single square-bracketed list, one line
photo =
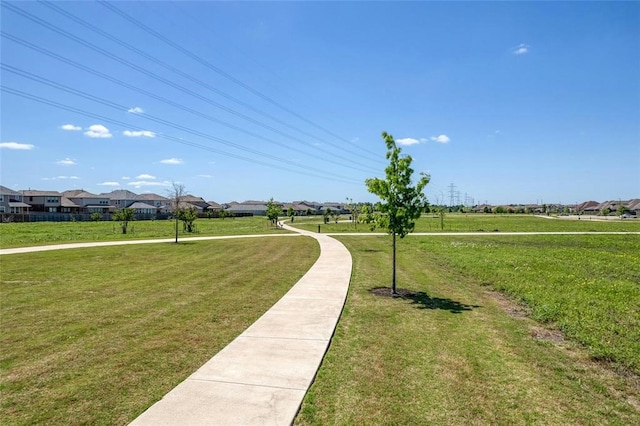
[(457, 222), (43, 233), (453, 355), (95, 336)]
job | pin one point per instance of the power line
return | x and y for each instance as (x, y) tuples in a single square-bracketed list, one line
[(182, 141), (118, 107), (97, 73), (129, 64), (217, 70), (163, 64)]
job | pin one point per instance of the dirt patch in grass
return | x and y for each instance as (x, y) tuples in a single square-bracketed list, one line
[(540, 333), (513, 308)]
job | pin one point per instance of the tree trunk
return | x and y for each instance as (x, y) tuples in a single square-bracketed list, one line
[(176, 230), (393, 277)]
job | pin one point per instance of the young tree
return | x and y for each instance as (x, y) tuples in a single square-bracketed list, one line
[(188, 216), (335, 216), (401, 203), (175, 195), (273, 211), (124, 216), (291, 212), (622, 209), (326, 214), (355, 209)]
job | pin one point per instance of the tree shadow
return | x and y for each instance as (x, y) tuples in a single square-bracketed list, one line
[(423, 301)]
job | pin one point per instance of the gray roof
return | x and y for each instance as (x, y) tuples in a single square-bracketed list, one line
[(150, 196), (141, 205), (35, 193), (18, 204), (8, 191), (120, 194), (81, 193)]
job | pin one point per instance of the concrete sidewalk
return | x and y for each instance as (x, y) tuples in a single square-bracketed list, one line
[(261, 377)]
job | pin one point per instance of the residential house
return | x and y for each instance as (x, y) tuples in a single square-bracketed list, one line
[(42, 201), (121, 198), (87, 202), (162, 204), (335, 207), (11, 201), (634, 207), (214, 207), (248, 208), (298, 209), (196, 201), (142, 208)]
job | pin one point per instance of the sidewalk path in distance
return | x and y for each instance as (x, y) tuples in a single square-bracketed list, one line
[(261, 377)]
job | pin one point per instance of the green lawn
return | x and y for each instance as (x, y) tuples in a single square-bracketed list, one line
[(95, 336), (42, 233), (481, 223), (457, 352)]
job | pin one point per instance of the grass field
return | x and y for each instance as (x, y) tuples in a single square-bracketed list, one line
[(482, 223), (95, 336), (458, 352), (41, 233)]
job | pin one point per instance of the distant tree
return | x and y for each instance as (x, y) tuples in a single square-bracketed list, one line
[(124, 216), (622, 209), (309, 212), (486, 209), (499, 210), (326, 214), (605, 212), (176, 194), (355, 209), (401, 203), (291, 212), (335, 216), (96, 217), (544, 209), (273, 211), (187, 215)]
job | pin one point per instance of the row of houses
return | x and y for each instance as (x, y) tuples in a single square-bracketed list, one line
[(588, 207), (81, 203)]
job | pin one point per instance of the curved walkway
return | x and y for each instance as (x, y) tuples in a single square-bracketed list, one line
[(261, 377)]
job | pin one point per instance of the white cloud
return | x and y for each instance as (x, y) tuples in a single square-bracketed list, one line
[(135, 110), (205, 176), (172, 161), (143, 183), (125, 178), (440, 139), (61, 178), (66, 162), (16, 145), (70, 127), (109, 184), (145, 176), (139, 133), (521, 49), (407, 141), (98, 131)]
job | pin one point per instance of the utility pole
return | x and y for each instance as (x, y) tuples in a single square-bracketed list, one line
[(452, 188)]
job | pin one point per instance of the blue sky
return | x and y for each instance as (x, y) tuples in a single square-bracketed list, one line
[(511, 102)]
